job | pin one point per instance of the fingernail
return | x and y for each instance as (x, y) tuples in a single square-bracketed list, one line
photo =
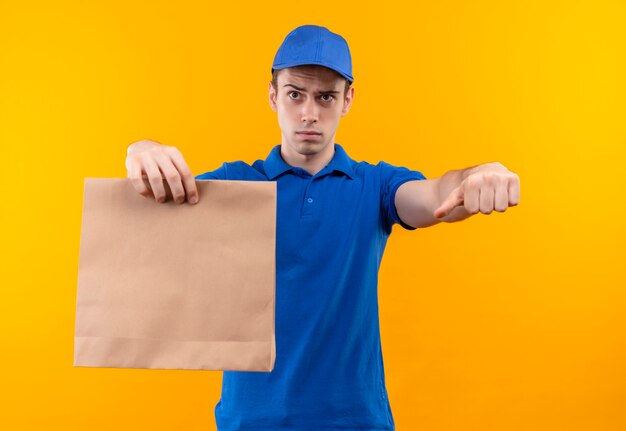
[(193, 199)]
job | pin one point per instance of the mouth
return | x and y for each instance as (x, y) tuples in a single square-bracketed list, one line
[(309, 133)]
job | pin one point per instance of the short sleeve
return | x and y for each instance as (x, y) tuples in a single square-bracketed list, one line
[(220, 173), (234, 171), (391, 178)]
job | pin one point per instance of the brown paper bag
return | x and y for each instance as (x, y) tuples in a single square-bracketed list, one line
[(163, 285)]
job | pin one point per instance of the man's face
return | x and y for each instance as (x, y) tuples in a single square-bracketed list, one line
[(309, 99)]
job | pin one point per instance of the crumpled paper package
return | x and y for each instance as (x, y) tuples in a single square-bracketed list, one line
[(177, 286)]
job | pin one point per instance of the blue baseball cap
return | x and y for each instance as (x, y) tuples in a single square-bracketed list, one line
[(313, 44)]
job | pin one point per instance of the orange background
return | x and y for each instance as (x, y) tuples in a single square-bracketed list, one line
[(509, 321)]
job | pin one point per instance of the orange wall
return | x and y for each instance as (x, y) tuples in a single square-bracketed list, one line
[(509, 321)]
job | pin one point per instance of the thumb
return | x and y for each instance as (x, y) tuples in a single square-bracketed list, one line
[(454, 199)]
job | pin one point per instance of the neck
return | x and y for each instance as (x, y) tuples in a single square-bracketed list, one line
[(312, 163)]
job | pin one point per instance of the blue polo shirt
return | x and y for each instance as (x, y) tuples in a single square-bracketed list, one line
[(331, 231)]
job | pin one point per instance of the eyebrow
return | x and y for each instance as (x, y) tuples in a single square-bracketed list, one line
[(319, 92)]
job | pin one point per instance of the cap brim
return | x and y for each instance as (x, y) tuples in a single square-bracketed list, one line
[(294, 64)]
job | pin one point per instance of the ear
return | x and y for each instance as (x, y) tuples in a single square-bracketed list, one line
[(272, 97), (347, 101)]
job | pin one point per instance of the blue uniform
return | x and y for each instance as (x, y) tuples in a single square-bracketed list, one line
[(332, 228)]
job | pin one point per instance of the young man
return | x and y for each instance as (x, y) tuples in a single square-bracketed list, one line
[(334, 217)]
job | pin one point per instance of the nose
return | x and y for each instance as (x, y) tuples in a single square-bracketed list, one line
[(309, 111)]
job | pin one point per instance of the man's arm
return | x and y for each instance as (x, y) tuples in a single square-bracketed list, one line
[(457, 195)]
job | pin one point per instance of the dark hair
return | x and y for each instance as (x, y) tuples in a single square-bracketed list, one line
[(275, 82)]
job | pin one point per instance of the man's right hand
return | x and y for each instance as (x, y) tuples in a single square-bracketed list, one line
[(149, 162)]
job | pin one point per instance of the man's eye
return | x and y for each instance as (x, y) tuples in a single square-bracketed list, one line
[(328, 95), (292, 92)]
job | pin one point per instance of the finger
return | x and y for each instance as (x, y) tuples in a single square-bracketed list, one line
[(514, 191), (135, 175), (471, 199), (454, 199), (486, 197), (172, 176), (146, 181), (501, 197), (189, 182), (154, 177)]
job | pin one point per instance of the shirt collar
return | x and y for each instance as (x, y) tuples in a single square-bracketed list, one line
[(274, 165)]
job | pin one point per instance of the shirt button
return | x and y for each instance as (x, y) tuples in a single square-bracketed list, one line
[(310, 200)]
